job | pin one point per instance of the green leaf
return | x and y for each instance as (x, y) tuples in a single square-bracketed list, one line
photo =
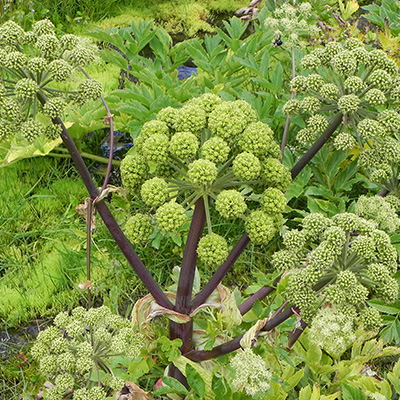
[(391, 332), (392, 309), (221, 388), (305, 393), (352, 393), (195, 381), (294, 190), (171, 386), (293, 380), (394, 377)]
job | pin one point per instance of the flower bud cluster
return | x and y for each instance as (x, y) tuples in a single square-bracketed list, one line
[(251, 373), (378, 210), (222, 149), (80, 344), (338, 83), (291, 25), (341, 261), (332, 330), (212, 250), (30, 63)]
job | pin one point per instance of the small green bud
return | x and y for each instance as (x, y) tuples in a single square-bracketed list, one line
[(202, 172), (230, 204), (292, 107), (54, 107), (310, 105), (246, 166), (37, 64), (156, 147), (344, 141), (276, 174), (80, 56), (317, 123), (344, 63), (60, 70), (330, 91), (273, 201), (212, 250), (380, 79), (48, 45), (89, 90), (69, 41), (134, 170), (184, 145), (371, 318), (170, 217), (138, 228), (190, 118), (375, 97), (306, 136), (167, 115), (154, 192), (349, 104), (354, 84), (257, 138), (260, 227), (215, 150)]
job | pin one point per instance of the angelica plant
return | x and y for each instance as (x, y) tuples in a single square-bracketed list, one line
[(76, 353), (354, 88), (290, 25), (213, 151), (34, 66), (338, 263)]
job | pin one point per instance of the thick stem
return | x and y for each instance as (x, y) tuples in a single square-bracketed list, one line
[(316, 147), (110, 121), (110, 222), (296, 333), (89, 218), (259, 295), (186, 278), (216, 279), (234, 344), (383, 192)]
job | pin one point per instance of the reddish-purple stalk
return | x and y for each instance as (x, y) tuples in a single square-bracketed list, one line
[(234, 344), (185, 284), (316, 147), (259, 295), (296, 333), (186, 277), (110, 222)]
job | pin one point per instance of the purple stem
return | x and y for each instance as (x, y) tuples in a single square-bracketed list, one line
[(186, 277), (316, 147), (259, 295), (110, 222), (234, 344), (296, 333)]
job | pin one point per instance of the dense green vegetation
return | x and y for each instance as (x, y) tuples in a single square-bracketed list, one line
[(258, 196)]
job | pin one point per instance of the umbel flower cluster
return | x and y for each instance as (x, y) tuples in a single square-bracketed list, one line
[(381, 210), (75, 354), (339, 263), (360, 83), (251, 373), (210, 149), (33, 67), (290, 24)]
